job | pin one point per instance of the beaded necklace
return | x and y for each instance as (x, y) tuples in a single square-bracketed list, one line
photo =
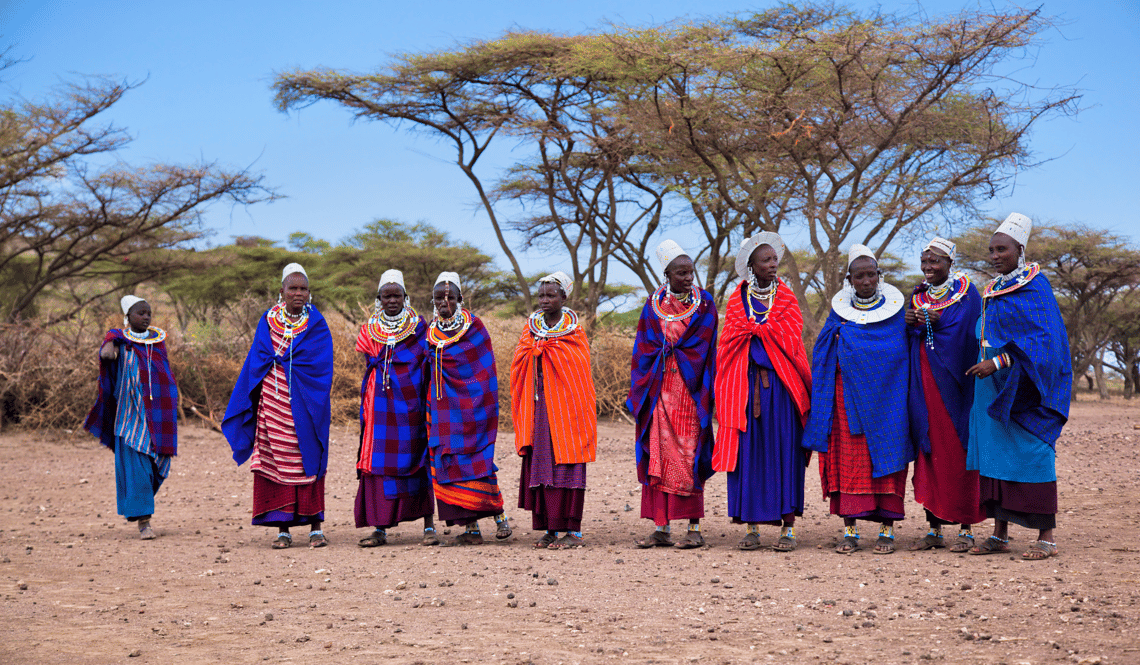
[(935, 297), (692, 299), (766, 295), (438, 340), (867, 303), (1012, 281), (567, 323), (146, 340), (392, 330), (289, 327)]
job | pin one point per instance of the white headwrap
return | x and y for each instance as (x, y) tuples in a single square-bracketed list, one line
[(943, 246), (449, 277), (293, 268), (667, 251), (750, 244), (1018, 227), (858, 251), (561, 279), (127, 302), (392, 277)]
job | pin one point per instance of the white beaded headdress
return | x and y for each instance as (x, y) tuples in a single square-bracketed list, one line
[(750, 244), (561, 279)]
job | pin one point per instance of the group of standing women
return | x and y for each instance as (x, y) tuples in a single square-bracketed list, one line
[(973, 389)]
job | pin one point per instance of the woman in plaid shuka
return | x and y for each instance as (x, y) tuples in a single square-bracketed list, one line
[(136, 413), (392, 458)]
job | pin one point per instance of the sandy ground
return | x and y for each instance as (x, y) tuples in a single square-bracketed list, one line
[(78, 586)]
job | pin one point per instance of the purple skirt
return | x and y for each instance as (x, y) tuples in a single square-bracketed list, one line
[(661, 507), (1031, 505), (372, 509)]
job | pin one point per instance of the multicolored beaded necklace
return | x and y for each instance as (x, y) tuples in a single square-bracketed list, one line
[(1006, 284), (567, 324), (766, 294), (289, 327), (438, 340), (692, 300), (391, 331), (868, 303), (935, 296), (145, 337)]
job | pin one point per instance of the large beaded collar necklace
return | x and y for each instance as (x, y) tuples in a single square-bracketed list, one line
[(461, 322), (567, 324), (691, 300), (935, 297), (766, 295), (883, 306), (392, 330), (152, 335), (1011, 282), (285, 324)]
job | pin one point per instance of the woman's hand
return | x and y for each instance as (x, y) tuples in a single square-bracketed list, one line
[(917, 317), (109, 351), (982, 369)]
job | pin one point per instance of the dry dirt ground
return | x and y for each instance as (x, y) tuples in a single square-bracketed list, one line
[(78, 586)]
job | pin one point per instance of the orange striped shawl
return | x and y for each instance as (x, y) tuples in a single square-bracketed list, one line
[(782, 337), (569, 390)]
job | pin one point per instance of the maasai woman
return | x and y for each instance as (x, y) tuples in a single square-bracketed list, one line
[(392, 460), (1021, 398), (136, 412), (940, 326), (280, 409), (860, 372), (763, 391), (671, 396), (463, 402), (555, 415)]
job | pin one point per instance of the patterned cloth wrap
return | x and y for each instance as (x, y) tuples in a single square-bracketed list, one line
[(154, 377), (695, 362), (1026, 323), (465, 422), (568, 387), (308, 363), (398, 440), (782, 337), (875, 363), (955, 351)]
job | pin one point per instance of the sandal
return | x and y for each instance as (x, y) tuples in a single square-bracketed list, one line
[(546, 541), (375, 539), (931, 541), (1040, 549), (884, 545), (430, 538), (785, 544), (567, 542), (145, 532), (964, 542), (751, 541), (691, 541), (465, 538), (658, 539), (991, 545), (317, 539), (283, 541), (850, 544), (503, 530)]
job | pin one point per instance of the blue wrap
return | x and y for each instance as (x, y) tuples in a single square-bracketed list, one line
[(1027, 325), (308, 365), (874, 361), (955, 351)]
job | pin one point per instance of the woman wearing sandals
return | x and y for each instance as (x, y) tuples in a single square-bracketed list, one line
[(940, 330), (136, 412), (392, 460), (763, 394), (555, 415), (859, 421), (673, 368), (463, 405), (1021, 397), (279, 412)]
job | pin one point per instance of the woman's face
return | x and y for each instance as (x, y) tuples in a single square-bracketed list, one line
[(680, 272), (138, 316), (864, 276), (1004, 252), (295, 292), (764, 263), (391, 299), (446, 299), (550, 298), (935, 267)]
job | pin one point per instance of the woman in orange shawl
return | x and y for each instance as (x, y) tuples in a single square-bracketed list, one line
[(555, 415)]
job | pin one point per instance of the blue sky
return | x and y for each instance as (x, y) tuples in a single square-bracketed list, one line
[(209, 65)]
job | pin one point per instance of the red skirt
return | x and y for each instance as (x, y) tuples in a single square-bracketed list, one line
[(280, 505)]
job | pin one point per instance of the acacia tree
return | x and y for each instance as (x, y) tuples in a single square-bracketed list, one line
[(64, 221), (857, 128), (1090, 269)]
